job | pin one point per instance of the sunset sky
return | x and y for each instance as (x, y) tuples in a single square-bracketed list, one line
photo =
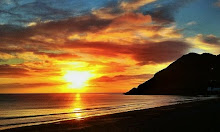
[(99, 46)]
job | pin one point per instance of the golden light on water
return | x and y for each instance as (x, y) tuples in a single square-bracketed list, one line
[(77, 79), (77, 107)]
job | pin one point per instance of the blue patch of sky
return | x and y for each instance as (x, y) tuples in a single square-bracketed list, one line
[(204, 13)]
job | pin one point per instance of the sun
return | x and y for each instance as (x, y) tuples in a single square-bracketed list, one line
[(77, 79)]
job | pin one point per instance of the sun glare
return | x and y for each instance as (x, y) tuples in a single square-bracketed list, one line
[(77, 79)]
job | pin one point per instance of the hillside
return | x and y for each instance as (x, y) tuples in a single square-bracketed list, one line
[(189, 75)]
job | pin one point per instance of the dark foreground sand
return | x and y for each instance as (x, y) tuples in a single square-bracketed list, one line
[(202, 116)]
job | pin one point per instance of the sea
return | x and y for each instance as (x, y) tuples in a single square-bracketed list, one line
[(17, 110)]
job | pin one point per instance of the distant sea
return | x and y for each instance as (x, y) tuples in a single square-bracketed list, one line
[(18, 110)]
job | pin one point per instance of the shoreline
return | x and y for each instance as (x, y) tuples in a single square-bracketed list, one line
[(152, 119)]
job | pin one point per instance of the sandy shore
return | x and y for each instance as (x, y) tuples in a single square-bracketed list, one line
[(202, 116)]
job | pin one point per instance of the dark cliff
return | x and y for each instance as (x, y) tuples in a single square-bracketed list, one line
[(189, 75)]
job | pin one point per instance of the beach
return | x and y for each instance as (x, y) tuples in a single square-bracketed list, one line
[(193, 116)]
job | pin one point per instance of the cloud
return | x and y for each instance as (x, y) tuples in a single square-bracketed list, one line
[(7, 71), (148, 53), (59, 56), (89, 23), (206, 43), (122, 78), (22, 13), (8, 13), (11, 31), (116, 9), (16, 39), (112, 67), (132, 5), (5, 56), (44, 34), (27, 85), (165, 13), (134, 18), (207, 39), (94, 36), (110, 11), (46, 11), (160, 52), (191, 23), (210, 39), (114, 41), (62, 56), (135, 25), (131, 25), (107, 13), (29, 69), (217, 3)]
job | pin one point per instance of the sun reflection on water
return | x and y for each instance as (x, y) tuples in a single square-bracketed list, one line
[(77, 107)]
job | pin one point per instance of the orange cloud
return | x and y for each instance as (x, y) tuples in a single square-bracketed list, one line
[(150, 52), (210, 39), (205, 43), (123, 7), (7, 71), (134, 5), (122, 78), (107, 13), (134, 18), (113, 67), (5, 56), (88, 23), (59, 56), (27, 85)]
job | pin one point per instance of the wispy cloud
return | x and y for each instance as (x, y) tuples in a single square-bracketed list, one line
[(208, 43), (165, 13), (123, 78), (218, 3), (13, 71), (134, 5), (191, 23)]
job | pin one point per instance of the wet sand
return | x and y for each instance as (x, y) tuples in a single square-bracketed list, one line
[(202, 116)]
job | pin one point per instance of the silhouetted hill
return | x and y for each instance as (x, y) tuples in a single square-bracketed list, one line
[(189, 75)]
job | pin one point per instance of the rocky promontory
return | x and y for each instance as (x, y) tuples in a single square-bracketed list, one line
[(191, 74)]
